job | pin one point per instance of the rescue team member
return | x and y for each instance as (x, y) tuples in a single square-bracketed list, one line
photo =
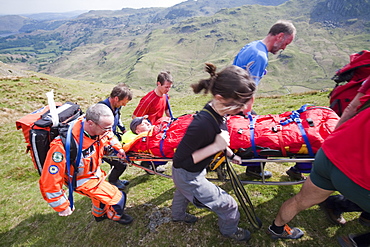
[(254, 58), (335, 205), (342, 164), (119, 97), (233, 91), (154, 104), (108, 201)]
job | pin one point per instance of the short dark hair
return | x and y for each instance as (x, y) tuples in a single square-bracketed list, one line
[(282, 26), (121, 91), (164, 76), (134, 123)]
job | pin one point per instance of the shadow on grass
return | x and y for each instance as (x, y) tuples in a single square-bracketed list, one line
[(267, 200), (148, 195)]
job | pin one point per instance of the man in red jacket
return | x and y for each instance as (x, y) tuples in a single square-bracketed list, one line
[(95, 131), (154, 104)]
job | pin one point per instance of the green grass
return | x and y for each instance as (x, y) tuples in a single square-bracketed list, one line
[(27, 220)]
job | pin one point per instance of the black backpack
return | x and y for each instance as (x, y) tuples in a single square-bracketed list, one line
[(39, 132)]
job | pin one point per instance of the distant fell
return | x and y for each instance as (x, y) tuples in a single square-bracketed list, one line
[(133, 45), (48, 16), (12, 24)]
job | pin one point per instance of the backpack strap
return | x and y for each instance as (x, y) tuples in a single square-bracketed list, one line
[(119, 125), (364, 106), (169, 107), (75, 162)]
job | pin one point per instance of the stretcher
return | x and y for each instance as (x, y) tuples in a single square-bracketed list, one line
[(290, 137), (134, 159)]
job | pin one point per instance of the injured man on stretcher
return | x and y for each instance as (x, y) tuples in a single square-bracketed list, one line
[(297, 134)]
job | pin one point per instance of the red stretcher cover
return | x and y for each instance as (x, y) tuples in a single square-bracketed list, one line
[(294, 132)]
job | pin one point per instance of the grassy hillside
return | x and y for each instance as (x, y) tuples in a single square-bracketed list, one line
[(28, 221), (133, 46)]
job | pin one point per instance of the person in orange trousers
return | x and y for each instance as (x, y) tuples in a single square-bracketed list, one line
[(93, 132)]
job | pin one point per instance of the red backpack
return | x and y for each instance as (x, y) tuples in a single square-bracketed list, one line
[(354, 73)]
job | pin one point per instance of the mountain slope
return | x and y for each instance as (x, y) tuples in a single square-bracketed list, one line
[(186, 9), (11, 24), (307, 64), (134, 45)]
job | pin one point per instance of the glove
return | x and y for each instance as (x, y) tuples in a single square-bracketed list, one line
[(67, 212)]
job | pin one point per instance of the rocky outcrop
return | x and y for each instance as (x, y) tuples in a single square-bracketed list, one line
[(334, 10)]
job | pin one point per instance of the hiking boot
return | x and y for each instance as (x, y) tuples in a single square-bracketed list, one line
[(160, 169), (240, 235), (125, 219), (120, 184), (347, 241), (148, 165), (333, 217), (288, 233), (294, 174), (267, 174), (365, 221), (189, 218), (125, 182), (101, 218)]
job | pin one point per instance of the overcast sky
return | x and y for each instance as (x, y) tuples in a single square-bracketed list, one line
[(15, 7)]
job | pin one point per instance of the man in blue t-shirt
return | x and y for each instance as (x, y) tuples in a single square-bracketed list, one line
[(119, 97), (254, 58)]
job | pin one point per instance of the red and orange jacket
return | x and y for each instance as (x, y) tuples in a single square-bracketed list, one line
[(54, 173)]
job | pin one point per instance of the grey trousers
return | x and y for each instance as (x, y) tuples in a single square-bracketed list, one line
[(194, 187)]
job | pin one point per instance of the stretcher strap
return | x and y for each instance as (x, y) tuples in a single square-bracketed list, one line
[(252, 124), (72, 178), (242, 196), (164, 136), (295, 117), (161, 143)]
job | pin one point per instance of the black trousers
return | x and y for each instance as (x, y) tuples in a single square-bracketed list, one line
[(118, 168), (341, 204)]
